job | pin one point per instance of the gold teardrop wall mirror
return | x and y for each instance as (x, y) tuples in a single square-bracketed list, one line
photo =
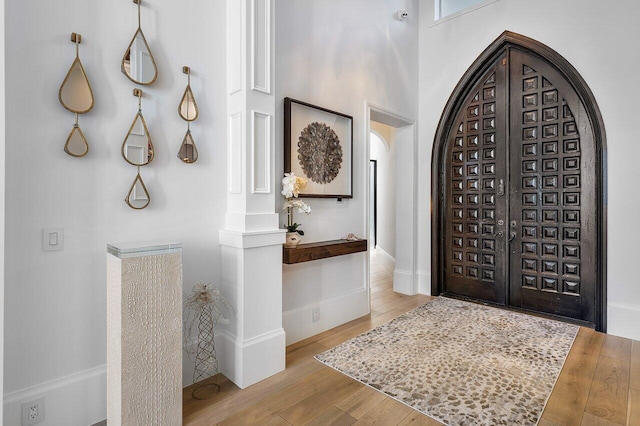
[(188, 151), (76, 144), (137, 147), (138, 197), (188, 108), (138, 63), (75, 93)]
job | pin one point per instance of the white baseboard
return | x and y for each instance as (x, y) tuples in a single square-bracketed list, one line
[(623, 320), (252, 360), (336, 311), (79, 399), (403, 282), (424, 282)]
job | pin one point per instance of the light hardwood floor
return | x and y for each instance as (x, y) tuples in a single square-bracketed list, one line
[(599, 384)]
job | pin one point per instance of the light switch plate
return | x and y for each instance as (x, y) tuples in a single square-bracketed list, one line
[(52, 239)]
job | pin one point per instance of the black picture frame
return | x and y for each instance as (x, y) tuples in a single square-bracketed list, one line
[(309, 129)]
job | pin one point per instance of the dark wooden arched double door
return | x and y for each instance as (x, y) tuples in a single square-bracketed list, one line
[(518, 186)]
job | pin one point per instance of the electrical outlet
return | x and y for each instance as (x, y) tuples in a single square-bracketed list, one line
[(315, 314), (33, 412)]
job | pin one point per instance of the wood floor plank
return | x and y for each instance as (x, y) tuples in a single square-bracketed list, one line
[(332, 417), (591, 420), (616, 347), (570, 394), (388, 412), (609, 394), (419, 419), (361, 402), (633, 409), (634, 369), (275, 420), (278, 401), (314, 405)]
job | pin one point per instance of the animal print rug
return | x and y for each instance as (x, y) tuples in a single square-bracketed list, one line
[(461, 363)]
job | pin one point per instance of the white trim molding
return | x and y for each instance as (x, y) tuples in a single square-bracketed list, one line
[(261, 46), (261, 153)]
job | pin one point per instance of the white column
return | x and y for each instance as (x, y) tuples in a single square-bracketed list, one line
[(253, 347), (144, 334)]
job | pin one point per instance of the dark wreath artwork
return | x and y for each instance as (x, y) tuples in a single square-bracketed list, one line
[(319, 152)]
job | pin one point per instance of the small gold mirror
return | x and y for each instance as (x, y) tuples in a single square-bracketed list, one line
[(188, 109), (137, 147), (76, 145), (138, 197), (75, 93), (138, 63), (188, 151)]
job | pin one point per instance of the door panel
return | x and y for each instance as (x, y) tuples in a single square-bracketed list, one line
[(552, 207), (475, 193), (520, 192)]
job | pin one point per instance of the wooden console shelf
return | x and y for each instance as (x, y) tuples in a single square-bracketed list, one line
[(321, 250)]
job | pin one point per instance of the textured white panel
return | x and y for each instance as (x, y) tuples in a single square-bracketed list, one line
[(261, 46), (261, 153), (150, 343), (234, 46), (235, 153), (114, 335)]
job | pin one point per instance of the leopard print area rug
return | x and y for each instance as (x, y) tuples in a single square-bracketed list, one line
[(461, 363)]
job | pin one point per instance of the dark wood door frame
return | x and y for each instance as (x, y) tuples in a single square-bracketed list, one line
[(461, 91)]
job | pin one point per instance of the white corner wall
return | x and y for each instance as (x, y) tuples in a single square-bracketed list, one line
[(2, 196), (338, 55), (599, 39), (55, 302)]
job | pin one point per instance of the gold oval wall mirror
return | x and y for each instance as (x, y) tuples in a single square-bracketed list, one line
[(137, 147), (76, 144), (138, 197), (138, 63), (188, 151)]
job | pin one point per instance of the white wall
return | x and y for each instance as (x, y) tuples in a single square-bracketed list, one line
[(385, 154), (338, 55), (2, 191), (599, 39), (55, 301)]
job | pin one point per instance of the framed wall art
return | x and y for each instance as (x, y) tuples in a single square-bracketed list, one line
[(318, 145)]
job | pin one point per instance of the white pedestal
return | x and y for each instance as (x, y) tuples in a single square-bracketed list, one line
[(144, 334)]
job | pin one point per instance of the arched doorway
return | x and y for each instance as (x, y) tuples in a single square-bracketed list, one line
[(518, 186)]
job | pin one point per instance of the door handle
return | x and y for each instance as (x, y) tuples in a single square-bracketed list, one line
[(501, 187), (500, 234), (512, 234)]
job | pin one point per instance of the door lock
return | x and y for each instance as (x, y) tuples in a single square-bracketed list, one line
[(500, 222)]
